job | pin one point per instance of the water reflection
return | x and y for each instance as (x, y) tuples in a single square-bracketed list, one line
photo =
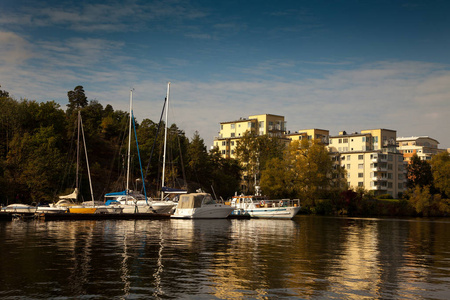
[(308, 257)]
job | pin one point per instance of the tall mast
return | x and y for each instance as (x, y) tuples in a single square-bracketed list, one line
[(129, 141), (165, 140), (87, 162), (78, 148)]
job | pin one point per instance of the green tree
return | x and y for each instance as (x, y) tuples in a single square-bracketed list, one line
[(254, 152), (225, 174), (419, 173), (440, 166), (77, 99), (198, 163), (35, 164)]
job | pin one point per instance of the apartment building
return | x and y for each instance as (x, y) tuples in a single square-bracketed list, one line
[(424, 146), (371, 160), (310, 134), (232, 131)]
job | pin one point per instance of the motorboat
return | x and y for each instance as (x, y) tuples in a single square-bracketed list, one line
[(200, 206), (19, 208), (256, 206)]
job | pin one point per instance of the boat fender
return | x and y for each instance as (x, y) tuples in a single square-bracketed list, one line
[(262, 203)]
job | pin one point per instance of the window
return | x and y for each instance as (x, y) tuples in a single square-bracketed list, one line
[(345, 140), (360, 166), (361, 156), (360, 183), (340, 141), (363, 138), (389, 185), (400, 185), (232, 143), (233, 134), (223, 152), (348, 166), (224, 143), (343, 157), (389, 166), (221, 127), (233, 126), (360, 175), (348, 157)]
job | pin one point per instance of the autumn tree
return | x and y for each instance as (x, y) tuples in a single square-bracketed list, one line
[(305, 172), (440, 167)]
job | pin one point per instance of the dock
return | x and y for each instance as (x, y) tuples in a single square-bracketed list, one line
[(75, 217)]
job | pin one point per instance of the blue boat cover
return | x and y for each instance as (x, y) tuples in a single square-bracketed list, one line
[(109, 202), (123, 193)]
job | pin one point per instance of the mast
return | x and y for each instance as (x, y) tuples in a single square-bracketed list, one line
[(87, 162), (78, 148), (165, 141), (129, 142)]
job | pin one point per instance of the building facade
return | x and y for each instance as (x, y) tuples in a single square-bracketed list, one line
[(230, 132), (424, 146), (371, 160), (310, 134)]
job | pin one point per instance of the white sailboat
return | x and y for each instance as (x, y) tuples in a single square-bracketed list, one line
[(166, 205), (130, 201)]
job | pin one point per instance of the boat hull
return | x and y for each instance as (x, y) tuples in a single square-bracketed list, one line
[(82, 210), (216, 211), (269, 213)]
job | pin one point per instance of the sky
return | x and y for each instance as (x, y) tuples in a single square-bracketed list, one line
[(337, 65)]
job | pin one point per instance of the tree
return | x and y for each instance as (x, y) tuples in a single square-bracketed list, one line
[(254, 152), (440, 167), (77, 99), (3, 93), (34, 164), (419, 173), (305, 171), (198, 163)]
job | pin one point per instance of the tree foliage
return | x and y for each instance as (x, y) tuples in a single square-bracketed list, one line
[(419, 173), (254, 153), (305, 171), (440, 166)]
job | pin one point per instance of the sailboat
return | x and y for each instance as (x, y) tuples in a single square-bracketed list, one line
[(166, 205), (130, 201), (68, 201)]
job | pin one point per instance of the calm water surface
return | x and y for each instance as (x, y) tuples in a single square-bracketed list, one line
[(308, 257)]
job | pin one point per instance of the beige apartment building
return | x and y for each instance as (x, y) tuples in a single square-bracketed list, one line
[(371, 160), (310, 134), (232, 131), (424, 146)]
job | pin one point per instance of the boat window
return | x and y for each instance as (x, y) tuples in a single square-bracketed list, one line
[(208, 200)]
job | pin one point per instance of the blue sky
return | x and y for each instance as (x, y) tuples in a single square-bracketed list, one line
[(336, 65)]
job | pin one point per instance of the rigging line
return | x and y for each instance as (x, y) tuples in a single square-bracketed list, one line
[(139, 156), (156, 137)]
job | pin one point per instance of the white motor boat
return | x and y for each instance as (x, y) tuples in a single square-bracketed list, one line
[(260, 207), (19, 208), (200, 206)]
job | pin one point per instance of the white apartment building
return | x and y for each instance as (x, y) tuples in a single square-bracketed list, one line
[(424, 146), (371, 160)]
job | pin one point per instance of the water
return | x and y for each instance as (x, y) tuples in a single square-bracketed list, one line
[(308, 257)]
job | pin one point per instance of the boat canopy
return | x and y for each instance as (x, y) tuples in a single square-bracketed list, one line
[(194, 200), (123, 193), (169, 190)]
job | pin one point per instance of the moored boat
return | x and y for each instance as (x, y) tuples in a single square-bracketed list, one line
[(257, 206), (200, 206)]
